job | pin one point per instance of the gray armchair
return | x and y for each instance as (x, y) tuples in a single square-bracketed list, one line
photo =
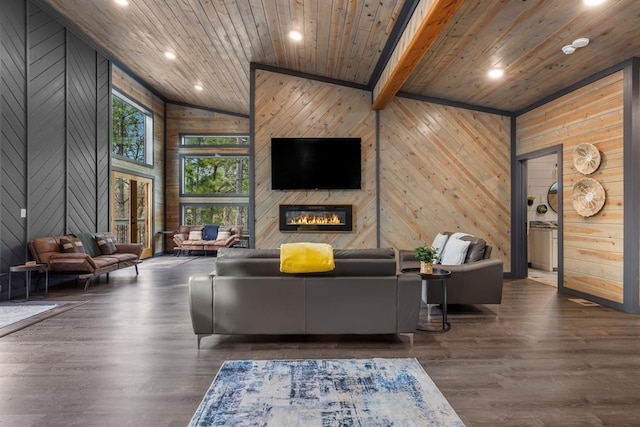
[(477, 281)]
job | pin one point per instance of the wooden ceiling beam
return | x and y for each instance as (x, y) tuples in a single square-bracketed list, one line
[(428, 21)]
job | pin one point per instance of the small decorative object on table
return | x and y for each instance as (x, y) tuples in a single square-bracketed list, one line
[(427, 255)]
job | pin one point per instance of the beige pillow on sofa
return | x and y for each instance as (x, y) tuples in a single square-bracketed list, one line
[(195, 235), (223, 235)]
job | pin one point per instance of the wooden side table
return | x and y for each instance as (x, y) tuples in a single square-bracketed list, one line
[(440, 275), (27, 269)]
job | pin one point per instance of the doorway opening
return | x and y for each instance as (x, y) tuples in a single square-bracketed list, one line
[(131, 201), (543, 231)]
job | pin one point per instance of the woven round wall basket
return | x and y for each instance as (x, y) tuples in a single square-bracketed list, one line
[(586, 158), (588, 197)]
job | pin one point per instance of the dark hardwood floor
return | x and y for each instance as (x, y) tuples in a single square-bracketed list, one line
[(128, 357)]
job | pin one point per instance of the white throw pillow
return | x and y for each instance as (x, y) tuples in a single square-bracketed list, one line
[(456, 252), (438, 243), (459, 235)]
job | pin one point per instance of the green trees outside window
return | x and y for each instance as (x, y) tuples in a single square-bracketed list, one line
[(216, 214), (202, 140), (215, 179), (131, 131), (209, 175)]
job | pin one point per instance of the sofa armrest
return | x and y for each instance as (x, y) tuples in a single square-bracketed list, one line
[(201, 303), (232, 239), (130, 248), (492, 264), (408, 299), (478, 282), (72, 262), (407, 259), (178, 239)]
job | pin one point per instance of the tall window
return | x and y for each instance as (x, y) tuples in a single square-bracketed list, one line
[(131, 130), (214, 180)]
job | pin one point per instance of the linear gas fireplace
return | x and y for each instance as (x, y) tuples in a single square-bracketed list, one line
[(316, 218)]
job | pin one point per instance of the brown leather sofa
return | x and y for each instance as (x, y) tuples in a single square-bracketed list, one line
[(184, 244), (247, 294), (87, 263)]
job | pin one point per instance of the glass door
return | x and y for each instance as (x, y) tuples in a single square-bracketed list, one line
[(131, 210)]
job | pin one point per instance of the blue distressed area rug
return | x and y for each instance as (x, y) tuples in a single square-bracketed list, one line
[(334, 392)]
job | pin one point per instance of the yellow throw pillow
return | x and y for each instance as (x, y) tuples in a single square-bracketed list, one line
[(306, 257)]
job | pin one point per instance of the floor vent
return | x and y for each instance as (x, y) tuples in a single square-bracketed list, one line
[(584, 302)]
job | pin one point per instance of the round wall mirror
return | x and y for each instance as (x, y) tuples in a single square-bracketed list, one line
[(552, 197)]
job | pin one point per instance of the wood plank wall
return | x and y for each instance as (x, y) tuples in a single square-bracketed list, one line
[(593, 247), (188, 120), (444, 169), (130, 87), (287, 106)]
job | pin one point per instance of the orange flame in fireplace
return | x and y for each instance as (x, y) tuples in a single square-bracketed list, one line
[(316, 220)]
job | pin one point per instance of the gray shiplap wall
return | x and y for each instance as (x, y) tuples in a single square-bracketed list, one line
[(13, 131), (54, 131), (45, 125)]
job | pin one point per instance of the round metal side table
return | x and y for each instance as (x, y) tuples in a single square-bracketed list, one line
[(28, 269), (440, 275)]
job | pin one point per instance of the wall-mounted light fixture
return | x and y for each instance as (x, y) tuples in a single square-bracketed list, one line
[(577, 43)]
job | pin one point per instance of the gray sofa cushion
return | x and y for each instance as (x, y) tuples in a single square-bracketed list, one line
[(266, 262), (352, 267), (476, 249), (376, 253), (248, 253)]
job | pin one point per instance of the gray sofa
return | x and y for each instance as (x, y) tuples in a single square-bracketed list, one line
[(247, 294), (477, 281)]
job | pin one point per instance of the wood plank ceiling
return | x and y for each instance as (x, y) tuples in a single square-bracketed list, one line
[(216, 40)]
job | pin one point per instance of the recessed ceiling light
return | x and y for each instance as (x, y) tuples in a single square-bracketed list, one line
[(592, 2), (170, 55), (496, 73), (295, 35), (123, 2), (198, 87)]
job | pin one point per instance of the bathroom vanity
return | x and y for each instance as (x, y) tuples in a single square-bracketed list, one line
[(543, 239)]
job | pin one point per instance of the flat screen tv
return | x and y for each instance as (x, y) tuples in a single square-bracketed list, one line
[(315, 163)]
